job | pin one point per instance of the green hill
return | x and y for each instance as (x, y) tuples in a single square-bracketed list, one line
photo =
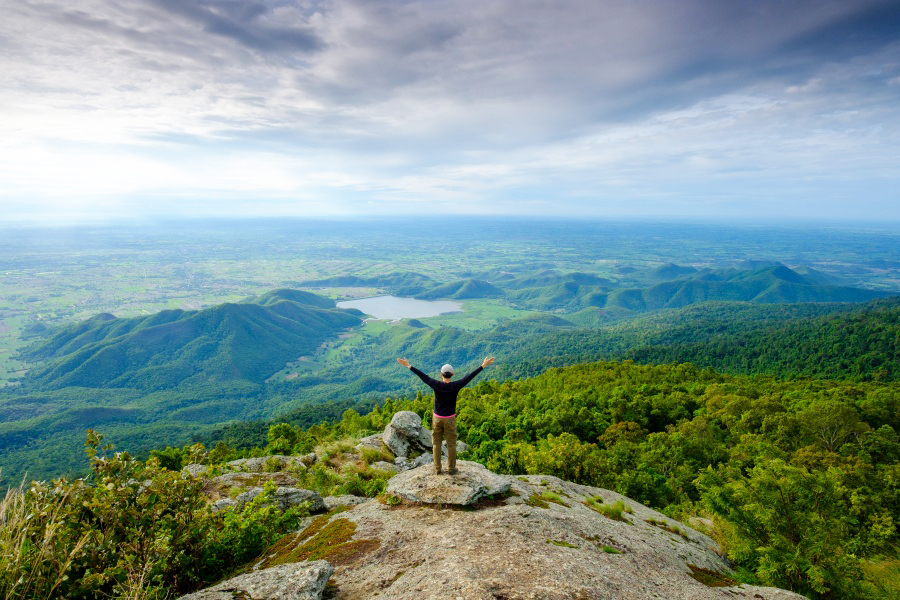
[(247, 341), (771, 284), (401, 284), (554, 278), (671, 271), (462, 290), (673, 286)]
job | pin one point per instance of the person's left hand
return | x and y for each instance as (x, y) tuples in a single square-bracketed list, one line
[(487, 361)]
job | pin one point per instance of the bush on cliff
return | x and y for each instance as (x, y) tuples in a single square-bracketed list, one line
[(134, 530)]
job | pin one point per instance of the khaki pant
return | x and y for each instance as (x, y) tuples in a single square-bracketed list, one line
[(442, 428)]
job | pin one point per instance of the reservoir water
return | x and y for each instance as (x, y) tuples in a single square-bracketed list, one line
[(395, 307)]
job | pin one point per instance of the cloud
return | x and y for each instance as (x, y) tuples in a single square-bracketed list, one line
[(453, 103)]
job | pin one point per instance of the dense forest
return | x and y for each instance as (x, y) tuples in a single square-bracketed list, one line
[(800, 477)]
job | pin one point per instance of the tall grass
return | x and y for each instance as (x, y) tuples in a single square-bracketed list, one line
[(35, 550)]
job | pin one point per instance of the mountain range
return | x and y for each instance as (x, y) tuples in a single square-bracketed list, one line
[(245, 341), (666, 286)]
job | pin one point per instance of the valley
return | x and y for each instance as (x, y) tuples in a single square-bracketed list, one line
[(160, 334)]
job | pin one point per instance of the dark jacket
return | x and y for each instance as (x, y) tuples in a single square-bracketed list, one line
[(445, 393)]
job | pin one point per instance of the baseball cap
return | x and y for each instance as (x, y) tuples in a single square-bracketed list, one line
[(447, 369)]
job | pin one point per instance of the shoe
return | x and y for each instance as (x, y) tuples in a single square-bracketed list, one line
[(452, 471), (437, 471)]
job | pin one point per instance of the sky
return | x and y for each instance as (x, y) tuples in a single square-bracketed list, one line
[(712, 109)]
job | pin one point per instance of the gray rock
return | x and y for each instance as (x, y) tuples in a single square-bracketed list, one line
[(248, 465), (523, 548), (195, 470), (471, 483), (426, 458), (284, 498), (460, 447), (405, 433), (385, 466), (248, 480), (332, 502), (222, 504), (296, 581), (405, 464), (370, 441), (278, 461)]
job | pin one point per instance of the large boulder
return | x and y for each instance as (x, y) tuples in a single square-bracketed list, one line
[(405, 434), (284, 498), (295, 581), (403, 463), (546, 539), (471, 483)]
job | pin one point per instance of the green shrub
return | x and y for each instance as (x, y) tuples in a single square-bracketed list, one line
[(613, 511), (553, 497), (138, 530)]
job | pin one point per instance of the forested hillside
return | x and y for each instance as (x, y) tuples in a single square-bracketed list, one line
[(804, 340), (673, 286), (247, 341), (800, 477), (157, 379)]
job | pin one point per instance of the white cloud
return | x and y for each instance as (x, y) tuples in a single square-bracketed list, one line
[(350, 105)]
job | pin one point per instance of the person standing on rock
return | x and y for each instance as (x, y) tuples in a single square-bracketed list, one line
[(443, 423)]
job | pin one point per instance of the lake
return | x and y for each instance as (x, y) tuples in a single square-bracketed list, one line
[(395, 307)]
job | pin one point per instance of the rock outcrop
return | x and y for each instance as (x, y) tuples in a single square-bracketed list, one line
[(543, 539), (284, 498), (374, 441), (471, 483), (276, 462), (332, 502), (248, 480), (298, 581), (405, 434), (195, 470)]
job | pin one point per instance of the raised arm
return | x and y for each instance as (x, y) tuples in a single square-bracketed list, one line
[(465, 380), (428, 380)]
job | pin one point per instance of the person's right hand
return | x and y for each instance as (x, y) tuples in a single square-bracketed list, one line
[(403, 362), (487, 361)]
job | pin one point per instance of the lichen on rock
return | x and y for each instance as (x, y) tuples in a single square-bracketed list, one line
[(297, 581)]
